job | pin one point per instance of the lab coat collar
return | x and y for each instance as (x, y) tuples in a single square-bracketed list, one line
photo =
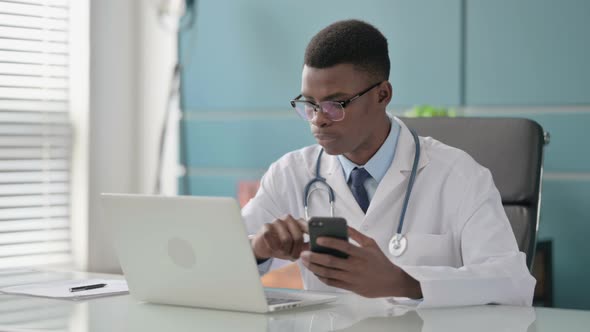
[(400, 168), (404, 157)]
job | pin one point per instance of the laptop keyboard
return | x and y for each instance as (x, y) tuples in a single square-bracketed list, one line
[(280, 298), (276, 300)]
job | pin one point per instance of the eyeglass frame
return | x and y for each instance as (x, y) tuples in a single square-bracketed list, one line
[(342, 103)]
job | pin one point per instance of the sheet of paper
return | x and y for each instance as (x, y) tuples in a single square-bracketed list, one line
[(61, 289), (9, 328)]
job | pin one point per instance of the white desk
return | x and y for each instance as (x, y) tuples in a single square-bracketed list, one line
[(351, 313)]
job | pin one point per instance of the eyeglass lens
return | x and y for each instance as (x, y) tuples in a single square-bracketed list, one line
[(331, 110)]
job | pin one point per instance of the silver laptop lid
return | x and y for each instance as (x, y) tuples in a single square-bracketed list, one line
[(190, 251)]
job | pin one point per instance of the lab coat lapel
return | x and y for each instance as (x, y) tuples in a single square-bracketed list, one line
[(400, 168), (346, 205)]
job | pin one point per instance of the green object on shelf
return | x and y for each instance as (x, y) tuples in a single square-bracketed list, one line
[(428, 111)]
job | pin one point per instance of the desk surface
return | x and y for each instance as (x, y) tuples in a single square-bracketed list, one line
[(350, 313)]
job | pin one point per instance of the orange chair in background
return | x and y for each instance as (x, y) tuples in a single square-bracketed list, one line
[(287, 276)]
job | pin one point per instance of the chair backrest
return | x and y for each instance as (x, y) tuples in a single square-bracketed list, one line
[(512, 149)]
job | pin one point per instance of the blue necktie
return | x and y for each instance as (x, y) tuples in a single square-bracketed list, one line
[(358, 177)]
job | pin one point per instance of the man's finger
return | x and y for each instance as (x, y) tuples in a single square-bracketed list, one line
[(322, 271), (341, 245), (328, 260), (270, 238), (305, 247), (303, 225), (284, 236), (296, 235), (268, 241), (336, 283), (360, 238)]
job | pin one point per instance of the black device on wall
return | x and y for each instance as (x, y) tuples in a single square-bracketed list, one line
[(190, 16), (185, 21)]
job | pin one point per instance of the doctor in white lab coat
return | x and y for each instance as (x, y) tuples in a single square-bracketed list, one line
[(460, 246)]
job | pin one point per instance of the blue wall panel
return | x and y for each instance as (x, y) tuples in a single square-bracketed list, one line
[(567, 150), (528, 52), (248, 54), (217, 185), (565, 219), (244, 142)]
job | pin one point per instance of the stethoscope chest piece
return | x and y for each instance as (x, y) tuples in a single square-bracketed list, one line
[(398, 245)]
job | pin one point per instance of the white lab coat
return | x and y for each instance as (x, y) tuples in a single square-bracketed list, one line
[(460, 244)]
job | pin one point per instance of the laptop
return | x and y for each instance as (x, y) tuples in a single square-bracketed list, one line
[(191, 251)]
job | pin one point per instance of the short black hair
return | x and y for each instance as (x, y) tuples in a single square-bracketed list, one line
[(350, 41)]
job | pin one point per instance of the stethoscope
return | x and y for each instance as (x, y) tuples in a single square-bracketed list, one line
[(398, 243)]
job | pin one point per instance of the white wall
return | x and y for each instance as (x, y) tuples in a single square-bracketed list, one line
[(130, 58), (79, 115)]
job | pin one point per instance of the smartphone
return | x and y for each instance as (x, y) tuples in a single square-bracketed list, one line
[(328, 227)]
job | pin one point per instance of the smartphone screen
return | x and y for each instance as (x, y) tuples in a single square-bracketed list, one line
[(328, 227)]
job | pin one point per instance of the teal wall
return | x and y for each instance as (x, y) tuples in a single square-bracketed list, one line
[(527, 52), (242, 64), (247, 54)]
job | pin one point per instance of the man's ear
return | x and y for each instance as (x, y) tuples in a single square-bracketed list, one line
[(382, 95), (385, 94)]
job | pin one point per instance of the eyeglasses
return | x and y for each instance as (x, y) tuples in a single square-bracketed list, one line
[(333, 110)]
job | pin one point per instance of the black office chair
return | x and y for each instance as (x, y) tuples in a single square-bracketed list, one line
[(512, 149)]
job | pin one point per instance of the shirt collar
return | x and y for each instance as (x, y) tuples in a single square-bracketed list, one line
[(378, 165)]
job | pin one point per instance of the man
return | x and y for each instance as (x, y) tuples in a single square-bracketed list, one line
[(460, 247)]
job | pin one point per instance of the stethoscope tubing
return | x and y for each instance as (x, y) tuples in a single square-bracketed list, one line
[(410, 183), (320, 179)]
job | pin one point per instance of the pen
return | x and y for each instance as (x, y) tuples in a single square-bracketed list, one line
[(87, 287)]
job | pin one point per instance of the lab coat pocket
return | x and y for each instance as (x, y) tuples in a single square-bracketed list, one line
[(428, 250)]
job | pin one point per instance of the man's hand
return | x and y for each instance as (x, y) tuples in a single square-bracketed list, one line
[(283, 238), (367, 271)]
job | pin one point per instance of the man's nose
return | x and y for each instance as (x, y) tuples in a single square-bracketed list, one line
[(320, 119)]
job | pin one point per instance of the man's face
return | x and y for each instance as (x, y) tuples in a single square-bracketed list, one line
[(362, 116)]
